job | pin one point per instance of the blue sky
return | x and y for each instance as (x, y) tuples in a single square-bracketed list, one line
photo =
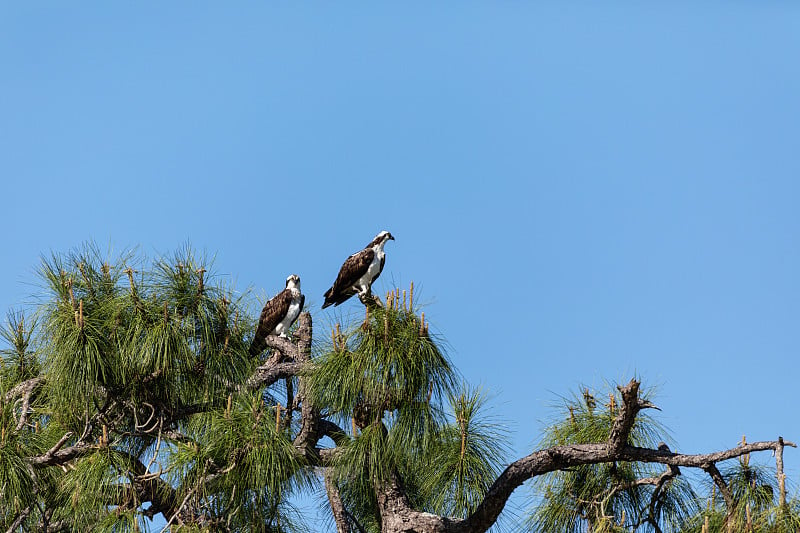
[(585, 193)]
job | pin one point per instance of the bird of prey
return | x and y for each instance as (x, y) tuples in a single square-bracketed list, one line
[(358, 272), (279, 314)]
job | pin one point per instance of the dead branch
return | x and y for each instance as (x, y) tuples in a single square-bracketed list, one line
[(266, 374), (337, 505), (712, 470), (24, 388), (19, 520)]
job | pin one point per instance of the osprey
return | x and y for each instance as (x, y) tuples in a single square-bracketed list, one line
[(358, 272), (279, 314)]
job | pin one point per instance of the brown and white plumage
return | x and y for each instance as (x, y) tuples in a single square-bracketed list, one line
[(359, 271), (279, 314)]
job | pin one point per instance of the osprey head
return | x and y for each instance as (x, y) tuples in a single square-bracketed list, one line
[(381, 238), (293, 281)]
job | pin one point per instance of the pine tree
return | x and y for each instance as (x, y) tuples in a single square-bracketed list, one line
[(130, 393)]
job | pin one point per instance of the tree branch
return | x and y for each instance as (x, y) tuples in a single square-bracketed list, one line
[(309, 433), (623, 422), (397, 513), (633, 453), (336, 503), (25, 390), (567, 456), (150, 487), (266, 374), (779, 472), (282, 344), (712, 470), (19, 520), (56, 455), (669, 474), (25, 387)]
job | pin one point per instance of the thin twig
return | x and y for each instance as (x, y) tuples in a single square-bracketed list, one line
[(177, 511), (141, 427), (158, 445), (19, 520)]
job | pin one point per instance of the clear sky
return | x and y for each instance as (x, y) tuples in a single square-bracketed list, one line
[(585, 192)]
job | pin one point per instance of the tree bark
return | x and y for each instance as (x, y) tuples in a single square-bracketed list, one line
[(335, 501)]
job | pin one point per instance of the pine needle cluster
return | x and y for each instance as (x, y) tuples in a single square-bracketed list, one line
[(389, 380), (246, 470), (164, 336), (118, 343)]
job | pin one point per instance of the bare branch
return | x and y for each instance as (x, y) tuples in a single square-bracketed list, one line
[(150, 487), (283, 345), (397, 512), (623, 422), (335, 501), (779, 472), (286, 347), (56, 455), (670, 473), (180, 508), (330, 429), (265, 375), (309, 433), (158, 446), (176, 436), (18, 521), (632, 453), (712, 470), (25, 388)]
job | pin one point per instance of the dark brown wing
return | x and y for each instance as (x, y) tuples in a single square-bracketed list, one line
[(274, 311), (353, 268)]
